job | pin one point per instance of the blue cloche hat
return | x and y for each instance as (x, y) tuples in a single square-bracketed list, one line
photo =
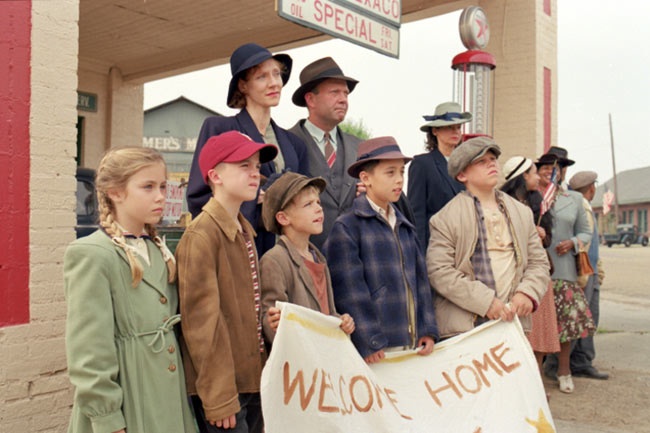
[(249, 55)]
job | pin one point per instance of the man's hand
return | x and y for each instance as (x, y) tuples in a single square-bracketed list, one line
[(521, 304), (361, 188), (273, 317), (375, 357), (347, 324), (427, 345), (499, 310)]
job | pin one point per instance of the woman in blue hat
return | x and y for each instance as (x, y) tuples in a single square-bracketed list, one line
[(256, 85)]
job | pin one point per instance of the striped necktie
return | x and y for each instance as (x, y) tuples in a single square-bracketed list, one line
[(330, 152)]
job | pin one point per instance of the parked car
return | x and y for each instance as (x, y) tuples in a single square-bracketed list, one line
[(87, 208), (88, 211), (626, 234)]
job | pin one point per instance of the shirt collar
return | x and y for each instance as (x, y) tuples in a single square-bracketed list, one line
[(388, 216), (318, 134)]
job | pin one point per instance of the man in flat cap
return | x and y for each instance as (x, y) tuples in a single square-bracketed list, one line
[(584, 351)]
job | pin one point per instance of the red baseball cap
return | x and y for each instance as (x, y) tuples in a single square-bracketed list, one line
[(232, 146)]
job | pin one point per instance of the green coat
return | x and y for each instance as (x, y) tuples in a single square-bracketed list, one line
[(123, 356)]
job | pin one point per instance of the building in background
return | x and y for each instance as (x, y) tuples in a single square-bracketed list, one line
[(72, 74), (633, 201), (172, 128)]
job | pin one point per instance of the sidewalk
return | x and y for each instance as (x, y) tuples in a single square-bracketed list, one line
[(617, 405)]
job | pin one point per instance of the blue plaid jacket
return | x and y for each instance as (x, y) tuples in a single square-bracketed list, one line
[(370, 267)]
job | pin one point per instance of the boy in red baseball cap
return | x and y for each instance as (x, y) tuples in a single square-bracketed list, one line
[(218, 283)]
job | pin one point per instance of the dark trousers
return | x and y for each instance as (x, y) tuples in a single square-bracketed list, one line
[(249, 418)]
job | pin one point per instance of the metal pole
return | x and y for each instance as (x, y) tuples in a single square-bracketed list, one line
[(611, 140)]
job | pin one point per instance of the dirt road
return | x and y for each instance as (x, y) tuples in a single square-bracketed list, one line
[(620, 404)]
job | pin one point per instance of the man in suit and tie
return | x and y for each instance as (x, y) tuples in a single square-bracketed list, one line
[(324, 90)]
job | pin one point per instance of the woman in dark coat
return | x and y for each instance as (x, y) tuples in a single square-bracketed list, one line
[(256, 85), (429, 185)]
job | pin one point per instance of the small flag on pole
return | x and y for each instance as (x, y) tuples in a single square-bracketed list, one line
[(549, 192), (608, 199)]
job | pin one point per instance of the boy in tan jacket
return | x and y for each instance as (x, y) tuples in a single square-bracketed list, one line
[(219, 290), (484, 259)]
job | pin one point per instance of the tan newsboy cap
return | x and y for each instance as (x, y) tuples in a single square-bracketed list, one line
[(469, 151), (283, 190), (582, 179)]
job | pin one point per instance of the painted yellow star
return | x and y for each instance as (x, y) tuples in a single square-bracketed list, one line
[(542, 425)]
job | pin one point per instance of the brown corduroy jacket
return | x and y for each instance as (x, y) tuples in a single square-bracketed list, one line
[(221, 347)]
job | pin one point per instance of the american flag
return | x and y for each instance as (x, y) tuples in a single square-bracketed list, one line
[(549, 193), (608, 199)]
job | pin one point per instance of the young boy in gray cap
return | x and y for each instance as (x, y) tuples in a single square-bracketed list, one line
[(294, 270), (484, 258)]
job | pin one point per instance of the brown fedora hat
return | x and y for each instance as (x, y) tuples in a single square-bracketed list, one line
[(376, 149), (316, 72)]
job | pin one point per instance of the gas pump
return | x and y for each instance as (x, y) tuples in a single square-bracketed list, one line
[(474, 74)]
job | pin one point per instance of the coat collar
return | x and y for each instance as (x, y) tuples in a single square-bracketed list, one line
[(154, 275), (441, 166), (361, 207), (225, 222), (318, 165), (303, 271)]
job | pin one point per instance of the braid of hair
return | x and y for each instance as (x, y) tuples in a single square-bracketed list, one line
[(168, 257), (111, 228)]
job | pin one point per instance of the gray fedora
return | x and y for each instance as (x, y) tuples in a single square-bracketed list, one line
[(315, 73), (447, 113)]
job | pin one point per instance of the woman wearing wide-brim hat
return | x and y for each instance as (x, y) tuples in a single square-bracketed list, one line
[(255, 87), (429, 185), (570, 229)]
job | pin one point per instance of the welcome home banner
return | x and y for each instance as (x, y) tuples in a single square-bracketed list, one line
[(484, 381)]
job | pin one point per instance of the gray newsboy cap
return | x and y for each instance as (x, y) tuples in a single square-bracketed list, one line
[(582, 179), (469, 151)]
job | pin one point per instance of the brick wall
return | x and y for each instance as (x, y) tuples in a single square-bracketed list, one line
[(35, 394), (523, 41)]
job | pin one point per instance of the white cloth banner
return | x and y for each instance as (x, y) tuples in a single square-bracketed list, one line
[(484, 381)]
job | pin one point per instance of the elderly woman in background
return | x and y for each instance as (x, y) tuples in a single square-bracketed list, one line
[(429, 185), (570, 228), (522, 183), (255, 87)]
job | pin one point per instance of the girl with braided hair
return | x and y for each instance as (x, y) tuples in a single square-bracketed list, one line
[(123, 356)]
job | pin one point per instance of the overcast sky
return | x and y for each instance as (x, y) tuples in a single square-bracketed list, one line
[(604, 67)]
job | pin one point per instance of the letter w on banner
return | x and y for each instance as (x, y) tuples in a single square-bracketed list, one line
[(480, 382)]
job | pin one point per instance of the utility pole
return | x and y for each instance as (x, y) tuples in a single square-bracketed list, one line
[(611, 140)]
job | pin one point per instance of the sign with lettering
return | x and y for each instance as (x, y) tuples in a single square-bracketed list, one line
[(174, 203), (387, 10), (86, 101), (170, 144), (341, 21), (485, 380)]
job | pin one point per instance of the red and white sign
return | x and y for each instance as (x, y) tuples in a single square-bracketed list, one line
[(389, 10), (343, 22), (174, 204)]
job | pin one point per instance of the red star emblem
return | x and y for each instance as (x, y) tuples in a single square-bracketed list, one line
[(482, 28)]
